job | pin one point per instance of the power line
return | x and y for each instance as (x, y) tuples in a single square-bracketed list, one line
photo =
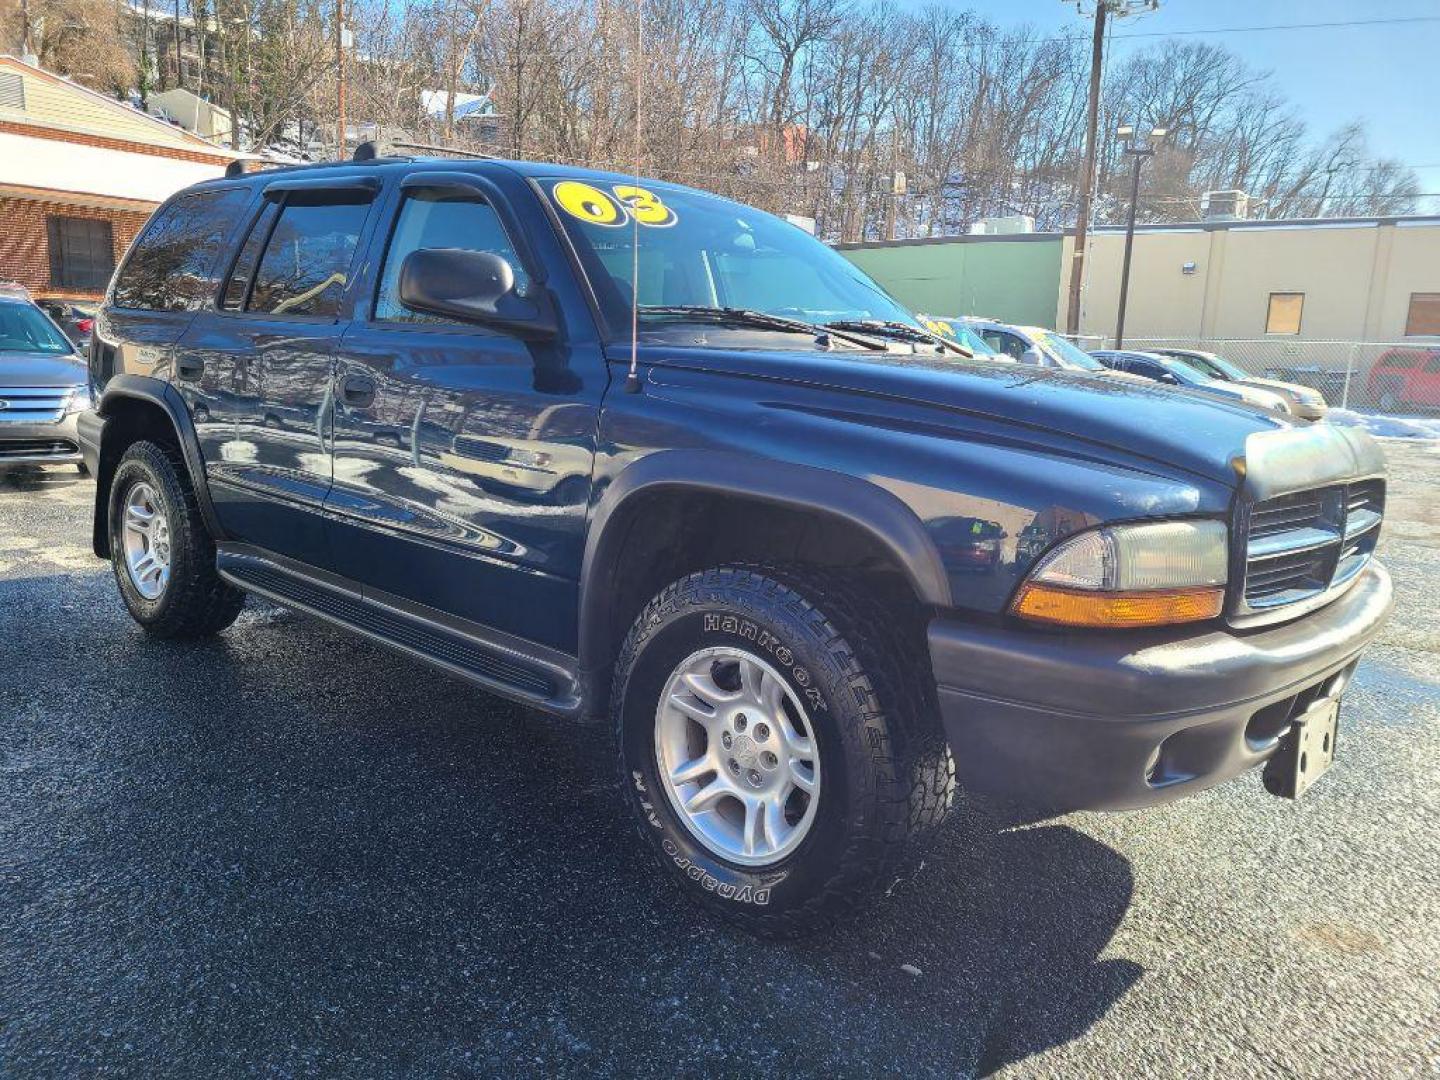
[(1280, 26)]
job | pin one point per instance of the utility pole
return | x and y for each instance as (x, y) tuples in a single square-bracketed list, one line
[(1087, 170), (340, 139), (27, 47), (1103, 10), (179, 79)]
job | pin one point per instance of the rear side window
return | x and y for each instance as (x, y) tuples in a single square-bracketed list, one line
[(170, 266), (440, 221), (1400, 360), (307, 261)]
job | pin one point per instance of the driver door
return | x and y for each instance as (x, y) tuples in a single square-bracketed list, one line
[(462, 453)]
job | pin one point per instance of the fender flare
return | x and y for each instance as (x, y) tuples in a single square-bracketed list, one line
[(159, 393), (859, 503)]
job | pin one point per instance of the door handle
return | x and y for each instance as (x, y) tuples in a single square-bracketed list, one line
[(189, 367), (357, 391)]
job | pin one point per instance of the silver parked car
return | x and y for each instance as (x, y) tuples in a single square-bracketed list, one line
[(1174, 372), (1036, 346), (1304, 401), (44, 385)]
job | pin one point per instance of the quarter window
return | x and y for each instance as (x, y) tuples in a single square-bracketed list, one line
[(306, 264), (238, 283), (82, 253), (171, 265), (440, 220), (1283, 316)]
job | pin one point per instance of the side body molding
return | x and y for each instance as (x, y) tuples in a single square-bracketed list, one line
[(802, 487), (160, 394)]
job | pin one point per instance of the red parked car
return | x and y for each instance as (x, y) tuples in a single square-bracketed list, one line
[(1406, 377)]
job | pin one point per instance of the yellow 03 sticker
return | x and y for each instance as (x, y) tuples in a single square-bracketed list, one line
[(588, 203), (645, 205)]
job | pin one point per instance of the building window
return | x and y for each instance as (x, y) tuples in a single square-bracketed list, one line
[(82, 253), (1284, 314), (1424, 317)]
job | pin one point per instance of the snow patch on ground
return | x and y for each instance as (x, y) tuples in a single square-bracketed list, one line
[(1388, 427)]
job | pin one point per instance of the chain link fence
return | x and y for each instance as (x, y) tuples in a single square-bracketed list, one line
[(1389, 377)]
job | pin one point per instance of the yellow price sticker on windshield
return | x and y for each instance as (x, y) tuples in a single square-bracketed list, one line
[(935, 326), (645, 205), (588, 203)]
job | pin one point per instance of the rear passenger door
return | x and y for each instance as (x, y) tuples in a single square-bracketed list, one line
[(274, 334)]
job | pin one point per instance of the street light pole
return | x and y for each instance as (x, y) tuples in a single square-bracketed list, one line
[(1129, 245), (1139, 152)]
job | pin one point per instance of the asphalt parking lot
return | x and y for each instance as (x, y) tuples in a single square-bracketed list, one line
[(287, 852)]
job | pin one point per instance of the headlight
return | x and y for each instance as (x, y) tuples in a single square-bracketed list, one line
[(1130, 575), (79, 400)]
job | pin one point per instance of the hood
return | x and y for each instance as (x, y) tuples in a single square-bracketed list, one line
[(1109, 417), (42, 369)]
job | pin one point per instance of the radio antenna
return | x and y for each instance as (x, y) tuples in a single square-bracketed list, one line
[(632, 380)]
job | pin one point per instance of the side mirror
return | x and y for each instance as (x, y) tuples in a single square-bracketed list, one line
[(1032, 356), (1169, 379), (472, 286)]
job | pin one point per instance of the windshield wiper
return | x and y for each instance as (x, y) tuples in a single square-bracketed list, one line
[(760, 320), (898, 330)]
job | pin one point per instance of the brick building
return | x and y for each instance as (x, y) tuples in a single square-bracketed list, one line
[(79, 174)]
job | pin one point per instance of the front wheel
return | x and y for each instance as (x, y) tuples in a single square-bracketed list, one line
[(775, 748), (164, 558)]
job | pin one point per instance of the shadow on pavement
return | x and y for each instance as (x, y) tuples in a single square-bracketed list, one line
[(31, 478), (289, 851)]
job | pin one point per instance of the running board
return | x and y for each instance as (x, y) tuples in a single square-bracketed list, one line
[(502, 669)]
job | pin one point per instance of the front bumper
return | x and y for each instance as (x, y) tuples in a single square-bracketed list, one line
[(1116, 721), (54, 443)]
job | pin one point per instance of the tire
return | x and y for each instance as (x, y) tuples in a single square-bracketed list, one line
[(82, 469), (192, 601), (885, 774)]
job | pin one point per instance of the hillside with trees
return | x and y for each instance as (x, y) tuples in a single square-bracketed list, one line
[(807, 107)]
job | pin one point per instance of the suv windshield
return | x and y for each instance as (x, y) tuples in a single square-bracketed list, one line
[(25, 328), (1066, 353), (701, 251)]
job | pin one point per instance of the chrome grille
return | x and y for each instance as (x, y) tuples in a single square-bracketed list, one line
[(33, 404), (1300, 545)]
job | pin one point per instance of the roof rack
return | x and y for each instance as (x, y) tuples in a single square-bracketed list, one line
[(245, 166), (441, 151)]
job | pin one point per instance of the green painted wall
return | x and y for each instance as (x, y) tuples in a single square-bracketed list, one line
[(1016, 281)]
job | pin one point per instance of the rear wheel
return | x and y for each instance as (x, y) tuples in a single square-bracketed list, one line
[(164, 559), (778, 759)]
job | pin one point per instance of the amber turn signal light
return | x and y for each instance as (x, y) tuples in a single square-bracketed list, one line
[(1093, 607)]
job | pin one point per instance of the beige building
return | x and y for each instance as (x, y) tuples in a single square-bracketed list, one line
[(1278, 283)]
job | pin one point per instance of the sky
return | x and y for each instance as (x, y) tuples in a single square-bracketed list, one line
[(1383, 75)]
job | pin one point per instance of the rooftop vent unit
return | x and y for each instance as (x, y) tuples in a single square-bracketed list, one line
[(1232, 205), (1003, 226)]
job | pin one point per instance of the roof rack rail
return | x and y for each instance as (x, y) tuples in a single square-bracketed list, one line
[(446, 151)]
